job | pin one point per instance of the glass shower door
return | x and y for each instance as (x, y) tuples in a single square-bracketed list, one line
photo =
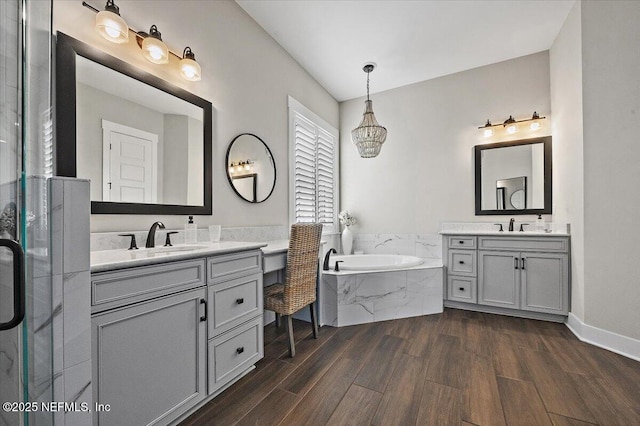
[(26, 301)]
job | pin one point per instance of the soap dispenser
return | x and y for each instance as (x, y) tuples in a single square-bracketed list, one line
[(190, 232), (539, 223)]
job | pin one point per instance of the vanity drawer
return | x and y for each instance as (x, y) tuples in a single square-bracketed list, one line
[(462, 289), (233, 302), (462, 242), (274, 262), (462, 262), (230, 266), (233, 352), (546, 244), (126, 286)]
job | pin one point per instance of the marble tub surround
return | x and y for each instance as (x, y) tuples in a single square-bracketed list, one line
[(428, 246), (357, 298), (489, 228), (101, 241)]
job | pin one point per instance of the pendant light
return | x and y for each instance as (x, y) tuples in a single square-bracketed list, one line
[(110, 24), (153, 48), (189, 68), (369, 135)]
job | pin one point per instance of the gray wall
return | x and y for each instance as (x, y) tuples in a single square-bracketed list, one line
[(176, 158), (611, 95), (432, 129), (247, 77)]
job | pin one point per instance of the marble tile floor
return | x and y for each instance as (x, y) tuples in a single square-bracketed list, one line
[(454, 368)]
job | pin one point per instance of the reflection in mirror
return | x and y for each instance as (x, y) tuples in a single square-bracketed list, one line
[(251, 169), (514, 177), (139, 144), (144, 143), (514, 190)]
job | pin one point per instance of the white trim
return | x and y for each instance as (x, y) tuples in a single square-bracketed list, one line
[(622, 345)]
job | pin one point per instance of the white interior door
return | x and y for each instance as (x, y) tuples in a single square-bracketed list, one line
[(130, 164)]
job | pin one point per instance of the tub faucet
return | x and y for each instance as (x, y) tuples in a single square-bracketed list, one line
[(325, 265), (151, 238), (511, 224)]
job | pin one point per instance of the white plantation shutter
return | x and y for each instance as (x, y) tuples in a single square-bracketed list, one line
[(313, 187)]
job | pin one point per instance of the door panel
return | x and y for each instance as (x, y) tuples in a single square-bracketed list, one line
[(545, 280), (498, 279)]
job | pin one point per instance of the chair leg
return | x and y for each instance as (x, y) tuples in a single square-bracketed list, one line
[(314, 320), (277, 320), (292, 346)]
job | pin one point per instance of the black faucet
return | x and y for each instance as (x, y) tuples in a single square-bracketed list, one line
[(325, 265), (151, 238), (511, 224)]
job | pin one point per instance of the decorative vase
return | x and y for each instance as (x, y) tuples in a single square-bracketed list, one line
[(347, 240)]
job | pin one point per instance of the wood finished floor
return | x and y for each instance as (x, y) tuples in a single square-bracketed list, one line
[(455, 368)]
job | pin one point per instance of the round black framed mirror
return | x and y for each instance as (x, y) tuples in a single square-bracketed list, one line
[(251, 169)]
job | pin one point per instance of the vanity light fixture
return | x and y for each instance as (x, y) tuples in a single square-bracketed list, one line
[(110, 25), (189, 68), (113, 27), (369, 135), (512, 126), (153, 48), (241, 167)]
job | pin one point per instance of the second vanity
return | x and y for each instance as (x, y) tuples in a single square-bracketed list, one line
[(173, 327), (514, 273)]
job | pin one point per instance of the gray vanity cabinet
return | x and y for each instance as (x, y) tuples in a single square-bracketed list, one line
[(149, 359), (526, 275)]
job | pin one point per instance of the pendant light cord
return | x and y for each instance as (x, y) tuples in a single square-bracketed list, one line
[(368, 72)]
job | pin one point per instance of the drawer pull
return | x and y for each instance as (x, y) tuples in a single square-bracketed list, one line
[(461, 242), (461, 262), (240, 301), (515, 263), (461, 288), (240, 350), (522, 265), (204, 317)]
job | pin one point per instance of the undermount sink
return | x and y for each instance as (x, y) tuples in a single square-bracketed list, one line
[(171, 249)]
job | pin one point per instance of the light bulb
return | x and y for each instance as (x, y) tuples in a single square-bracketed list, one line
[(189, 69), (153, 48), (534, 126), (512, 128), (488, 133), (110, 25)]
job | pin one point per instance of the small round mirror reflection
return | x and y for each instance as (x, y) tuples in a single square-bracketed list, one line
[(517, 199), (251, 169)]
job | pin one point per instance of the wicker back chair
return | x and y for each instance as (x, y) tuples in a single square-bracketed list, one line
[(299, 288)]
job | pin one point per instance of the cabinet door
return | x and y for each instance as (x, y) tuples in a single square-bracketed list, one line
[(545, 282), (499, 279), (149, 360)]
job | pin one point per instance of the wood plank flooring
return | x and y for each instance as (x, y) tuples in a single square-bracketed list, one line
[(455, 368)]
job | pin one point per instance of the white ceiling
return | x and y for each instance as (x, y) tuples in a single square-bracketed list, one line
[(410, 41)]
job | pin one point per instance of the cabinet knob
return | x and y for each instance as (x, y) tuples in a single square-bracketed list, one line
[(240, 301), (461, 242), (461, 288), (240, 350), (461, 262)]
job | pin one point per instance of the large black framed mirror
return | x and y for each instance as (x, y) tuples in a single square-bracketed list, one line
[(514, 178), (251, 169), (144, 143)]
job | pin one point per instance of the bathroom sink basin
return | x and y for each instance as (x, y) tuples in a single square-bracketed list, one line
[(175, 249)]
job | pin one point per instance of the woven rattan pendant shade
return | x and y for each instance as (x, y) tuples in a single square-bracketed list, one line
[(369, 135)]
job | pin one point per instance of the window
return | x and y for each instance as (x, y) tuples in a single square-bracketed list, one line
[(313, 169)]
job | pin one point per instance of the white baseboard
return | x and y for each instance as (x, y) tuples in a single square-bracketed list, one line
[(623, 345)]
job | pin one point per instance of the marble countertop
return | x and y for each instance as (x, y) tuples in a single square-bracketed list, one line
[(509, 234), (275, 247), (108, 260), (553, 229)]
